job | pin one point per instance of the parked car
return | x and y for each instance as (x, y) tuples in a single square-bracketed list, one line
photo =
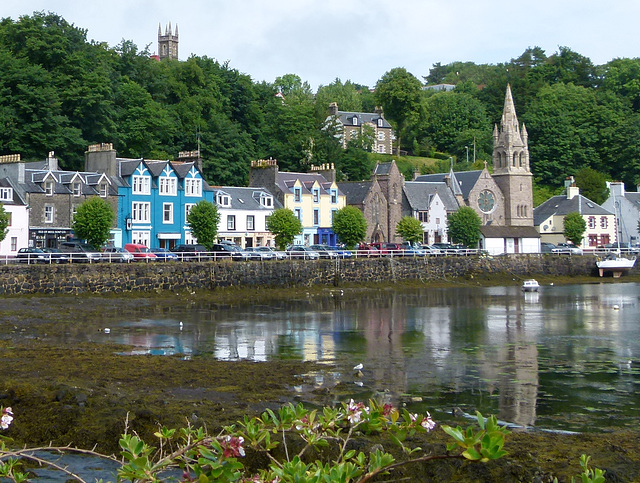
[(140, 252), (431, 250), (117, 255), (81, 252), (32, 255), (191, 252), (567, 248), (445, 248), (57, 256), (368, 251), (260, 255), (324, 251), (393, 249), (622, 247), (228, 250), (278, 255), (303, 252), (164, 255), (546, 247)]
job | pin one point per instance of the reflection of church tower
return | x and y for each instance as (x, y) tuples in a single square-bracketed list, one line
[(511, 166), (168, 43)]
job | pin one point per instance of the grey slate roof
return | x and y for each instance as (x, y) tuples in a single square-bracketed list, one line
[(466, 179), (492, 231), (382, 169), (246, 198), (355, 191), (286, 180), (346, 118), (420, 193), (560, 205)]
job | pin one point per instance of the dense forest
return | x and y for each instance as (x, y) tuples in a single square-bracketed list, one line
[(59, 92)]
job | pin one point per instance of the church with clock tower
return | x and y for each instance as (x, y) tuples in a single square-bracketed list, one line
[(502, 198)]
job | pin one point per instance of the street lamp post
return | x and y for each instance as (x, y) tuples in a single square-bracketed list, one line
[(467, 148)]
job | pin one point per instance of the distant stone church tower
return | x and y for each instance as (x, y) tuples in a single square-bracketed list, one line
[(168, 43), (511, 169)]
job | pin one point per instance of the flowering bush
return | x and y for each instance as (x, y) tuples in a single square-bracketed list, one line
[(204, 458)]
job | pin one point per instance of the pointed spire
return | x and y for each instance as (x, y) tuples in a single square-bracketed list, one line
[(509, 118), (176, 33), (159, 30), (169, 28)]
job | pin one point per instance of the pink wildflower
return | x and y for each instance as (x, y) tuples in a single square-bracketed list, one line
[(387, 409), (232, 446), (428, 423), (354, 411), (6, 419)]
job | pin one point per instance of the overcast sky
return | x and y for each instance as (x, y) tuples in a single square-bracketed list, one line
[(357, 40)]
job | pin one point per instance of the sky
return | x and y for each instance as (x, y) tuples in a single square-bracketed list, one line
[(356, 40)]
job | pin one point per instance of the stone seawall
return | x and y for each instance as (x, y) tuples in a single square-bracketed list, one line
[(144, 277)]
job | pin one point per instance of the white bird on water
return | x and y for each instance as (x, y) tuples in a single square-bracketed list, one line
[(107, 330), (181, 325), (358, 367)]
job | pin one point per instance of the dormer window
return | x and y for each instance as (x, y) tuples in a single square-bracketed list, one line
[(316, 195), (380, 122), (266, 201), (297, 195), (223, 199), (354, 121), (77, 190), (141, 185), (193, 187), (48, 188), (103, 190), (6, 194)]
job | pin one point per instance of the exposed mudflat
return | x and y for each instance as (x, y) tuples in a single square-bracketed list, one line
[(81, 394)]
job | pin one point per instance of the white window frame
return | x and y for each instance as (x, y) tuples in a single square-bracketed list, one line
[(223, 199), (14, 243), (6, 194), (167, 212), (49, 213), (77, 189), (193, 187), (251, 222), (142, 237), (141, 212), (141, 185), (187, 209), (231, 222), (103, 190), (48, 188), (316, 195), (266, 201), (168, 186)]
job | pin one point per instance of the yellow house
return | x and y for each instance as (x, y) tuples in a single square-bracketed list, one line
[(313, 197)]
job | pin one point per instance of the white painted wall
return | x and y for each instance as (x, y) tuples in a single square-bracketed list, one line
[(19, 229)]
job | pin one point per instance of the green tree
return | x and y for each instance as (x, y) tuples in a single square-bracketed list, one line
[(4, 222), (398, 92), (93, 221), (203, 220), (350, 225), (593, 185), (285, 225), (464, 226), (574, 227), (410, 229)]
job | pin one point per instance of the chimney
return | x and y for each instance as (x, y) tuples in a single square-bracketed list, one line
[(52, 161), (101, 158), (571, 188), (263, 174), (328, 171), (616, 188), (333, 109)]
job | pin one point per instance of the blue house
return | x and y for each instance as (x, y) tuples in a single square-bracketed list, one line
[(154, 196)]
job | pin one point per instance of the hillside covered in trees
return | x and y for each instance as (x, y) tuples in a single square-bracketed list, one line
[(59, 92)]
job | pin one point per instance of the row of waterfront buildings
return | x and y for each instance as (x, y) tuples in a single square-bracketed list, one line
[(152, 198)]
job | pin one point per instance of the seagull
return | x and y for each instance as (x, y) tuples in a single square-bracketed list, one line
[(107, 330), (358, 367), (181, 325)]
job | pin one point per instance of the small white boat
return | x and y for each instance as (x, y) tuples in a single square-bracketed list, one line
[(530, 285), (616, 264)]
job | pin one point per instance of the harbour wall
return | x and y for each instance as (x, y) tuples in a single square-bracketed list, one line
[(178, 276)]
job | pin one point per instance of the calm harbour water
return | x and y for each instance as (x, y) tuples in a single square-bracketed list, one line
[(566, 358)]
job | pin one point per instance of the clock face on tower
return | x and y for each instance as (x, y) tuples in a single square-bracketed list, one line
[(486, 201)]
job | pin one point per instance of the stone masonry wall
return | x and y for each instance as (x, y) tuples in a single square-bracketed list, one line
[(144, 277)]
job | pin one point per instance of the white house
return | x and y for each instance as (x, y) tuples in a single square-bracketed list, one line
[(626, 207), (18, 231), (430, 203), (243, 215)]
